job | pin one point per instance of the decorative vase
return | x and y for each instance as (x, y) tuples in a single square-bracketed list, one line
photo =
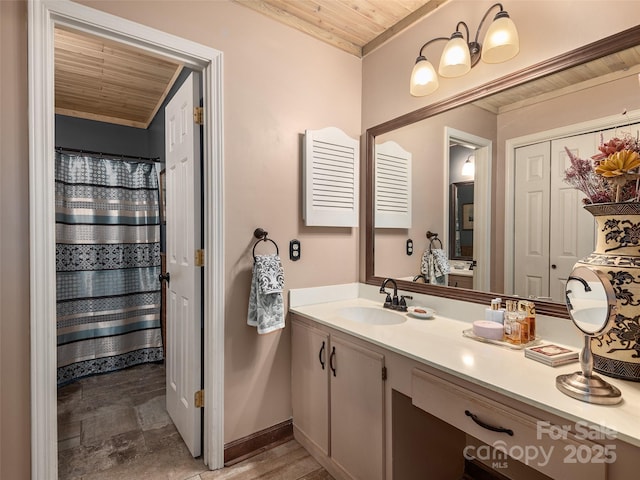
[(616, 352)]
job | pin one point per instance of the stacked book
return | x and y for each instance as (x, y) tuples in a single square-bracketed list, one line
[(553, 355)]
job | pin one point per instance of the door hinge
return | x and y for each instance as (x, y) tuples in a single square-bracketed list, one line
[(199, 258), (384, 373), (198, 399), (198, 113)]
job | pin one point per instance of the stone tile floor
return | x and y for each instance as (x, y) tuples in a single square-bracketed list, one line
[(115, 426)]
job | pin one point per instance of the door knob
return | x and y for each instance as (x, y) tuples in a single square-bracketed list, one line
[(166, 276)]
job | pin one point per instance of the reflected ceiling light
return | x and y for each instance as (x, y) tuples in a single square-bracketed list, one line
[(500, 44), (469, 166)]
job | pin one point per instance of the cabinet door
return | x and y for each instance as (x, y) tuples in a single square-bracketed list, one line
[(310, 383), (357, 409), (460, 281)]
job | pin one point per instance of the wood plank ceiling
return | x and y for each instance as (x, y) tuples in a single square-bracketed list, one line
[(107, 81), (111, 82), (355, 26), (602, 70)]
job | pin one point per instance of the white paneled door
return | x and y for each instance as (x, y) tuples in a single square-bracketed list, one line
[(531, 236), (552, 230), (183, 362), (572, 230)]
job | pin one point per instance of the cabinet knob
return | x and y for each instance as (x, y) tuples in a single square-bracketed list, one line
[(554, 266)]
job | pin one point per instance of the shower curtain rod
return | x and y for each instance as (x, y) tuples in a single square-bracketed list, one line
[(110, 155)]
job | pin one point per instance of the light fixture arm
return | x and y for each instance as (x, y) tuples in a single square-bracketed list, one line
[(446, 39), (485, 17), (461, 22)]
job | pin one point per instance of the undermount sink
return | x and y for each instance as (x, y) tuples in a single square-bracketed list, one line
[(372, 315)]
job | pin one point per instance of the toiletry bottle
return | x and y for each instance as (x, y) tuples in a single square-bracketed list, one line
[(497, 312), (488, 312), (494, 313), (513, 322), (508, 322), (529, 310)]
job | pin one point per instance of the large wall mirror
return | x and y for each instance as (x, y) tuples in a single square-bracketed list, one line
[(493, 122)]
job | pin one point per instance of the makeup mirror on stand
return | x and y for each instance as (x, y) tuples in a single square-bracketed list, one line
[(591, 301)]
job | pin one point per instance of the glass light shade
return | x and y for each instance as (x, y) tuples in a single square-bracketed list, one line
[(468, 168), (501, 42), (456, 59), (424, 79)]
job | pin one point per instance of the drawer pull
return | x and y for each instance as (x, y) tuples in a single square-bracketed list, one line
[(508, 431)]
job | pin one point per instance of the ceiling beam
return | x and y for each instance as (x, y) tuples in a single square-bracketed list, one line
[(403, 24)]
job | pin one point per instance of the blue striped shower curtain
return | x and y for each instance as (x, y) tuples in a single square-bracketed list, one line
[(107, 265)]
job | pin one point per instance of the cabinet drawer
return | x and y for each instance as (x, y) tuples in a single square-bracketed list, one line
[(524, 437)]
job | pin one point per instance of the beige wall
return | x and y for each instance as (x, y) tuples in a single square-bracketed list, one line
[(14, 241), (546, 28), (277, 83), (425, 140)]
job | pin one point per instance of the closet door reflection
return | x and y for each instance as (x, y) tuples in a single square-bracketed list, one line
[(552, 231)]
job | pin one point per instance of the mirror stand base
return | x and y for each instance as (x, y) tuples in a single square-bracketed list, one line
[(591, 389)]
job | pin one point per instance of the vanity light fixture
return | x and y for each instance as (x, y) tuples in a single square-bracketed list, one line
[(459, 55), (469, 166)]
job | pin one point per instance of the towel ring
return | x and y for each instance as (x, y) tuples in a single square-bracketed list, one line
[(262, 236), (432, 238)]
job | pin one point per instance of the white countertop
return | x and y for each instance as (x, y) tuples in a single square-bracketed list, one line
[(439, 343), (463, 272)]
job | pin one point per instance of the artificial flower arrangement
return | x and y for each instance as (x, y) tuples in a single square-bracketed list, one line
[(609, 176)]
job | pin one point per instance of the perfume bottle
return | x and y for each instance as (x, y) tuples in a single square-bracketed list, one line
[(529, 310), (514, 323)]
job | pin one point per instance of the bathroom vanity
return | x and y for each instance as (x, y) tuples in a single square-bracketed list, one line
[(383, 397), (461, 279)]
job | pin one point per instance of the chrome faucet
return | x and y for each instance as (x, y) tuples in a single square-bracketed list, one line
[(390, 302)]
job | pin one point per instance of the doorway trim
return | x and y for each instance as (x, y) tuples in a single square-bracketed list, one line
[(481, 210), (43, 16)]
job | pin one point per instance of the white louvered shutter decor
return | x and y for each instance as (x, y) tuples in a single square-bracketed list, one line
[(392, 186), (331, 178)]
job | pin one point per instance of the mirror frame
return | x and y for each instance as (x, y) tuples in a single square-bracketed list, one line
[(609, 45), (610, 294)]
